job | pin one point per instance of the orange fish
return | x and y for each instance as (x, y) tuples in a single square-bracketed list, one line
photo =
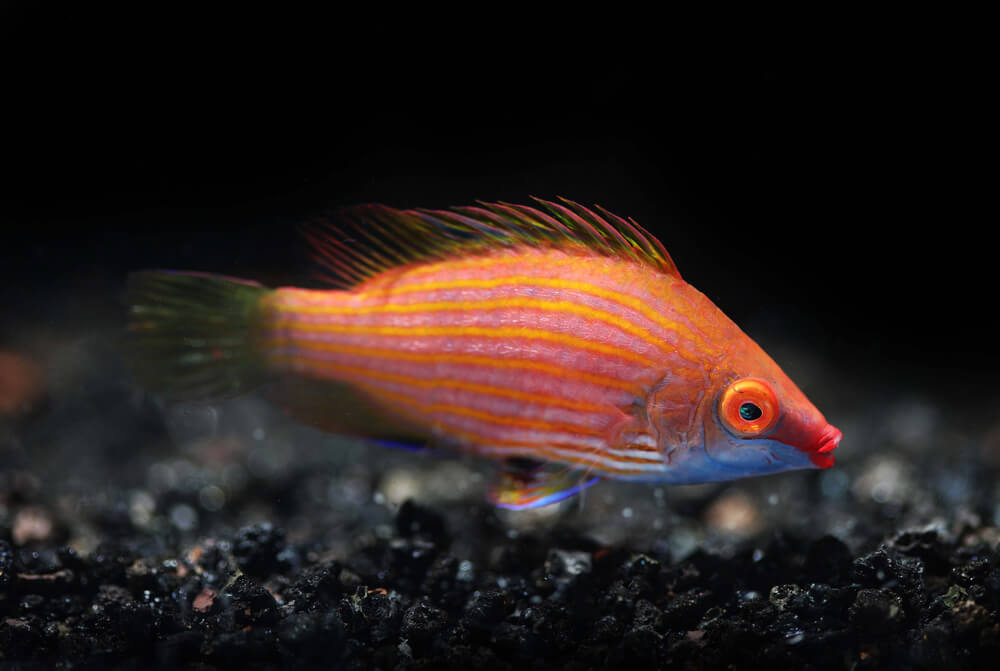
[(557, 340)]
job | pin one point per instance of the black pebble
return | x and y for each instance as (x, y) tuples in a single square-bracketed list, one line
[(486, 609), (260, 550), (422, 621), (416, 520)]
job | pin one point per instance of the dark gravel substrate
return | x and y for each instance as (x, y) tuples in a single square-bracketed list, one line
[(919, 601)]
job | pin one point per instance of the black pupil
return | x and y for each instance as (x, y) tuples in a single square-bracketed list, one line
[(750, 412)]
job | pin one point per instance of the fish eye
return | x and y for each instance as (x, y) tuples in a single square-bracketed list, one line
[(749, 408)]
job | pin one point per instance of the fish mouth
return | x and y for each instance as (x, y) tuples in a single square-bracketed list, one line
[(820, 449)]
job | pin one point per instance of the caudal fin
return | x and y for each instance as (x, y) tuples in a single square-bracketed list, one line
[(192, 335)]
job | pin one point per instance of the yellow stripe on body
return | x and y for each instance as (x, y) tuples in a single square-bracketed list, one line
[(482, 415), (458, 331), (593, 458), (481, 263), (550, 283), (560, 306), (423, 383), (556, 451), (463, 359), (484, 261)]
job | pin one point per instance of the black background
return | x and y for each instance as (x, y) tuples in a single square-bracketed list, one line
[(826, 194)]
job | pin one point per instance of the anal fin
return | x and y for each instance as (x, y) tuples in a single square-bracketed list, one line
[(522, 484), (338, 407)]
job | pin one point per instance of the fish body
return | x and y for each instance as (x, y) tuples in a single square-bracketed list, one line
[(561, 343)]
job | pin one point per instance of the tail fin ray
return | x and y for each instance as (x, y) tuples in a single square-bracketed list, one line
[(192, 335)]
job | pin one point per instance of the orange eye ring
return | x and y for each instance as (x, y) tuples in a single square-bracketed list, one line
[(749, 407)]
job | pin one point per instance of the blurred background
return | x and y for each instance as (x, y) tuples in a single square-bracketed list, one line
[(828, 205)]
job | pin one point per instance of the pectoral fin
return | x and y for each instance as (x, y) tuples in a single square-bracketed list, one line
[(523, 484)]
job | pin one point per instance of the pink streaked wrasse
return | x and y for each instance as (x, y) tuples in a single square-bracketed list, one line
[(559, 341)]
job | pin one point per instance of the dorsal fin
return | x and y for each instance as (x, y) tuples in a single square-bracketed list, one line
[(370, 239)]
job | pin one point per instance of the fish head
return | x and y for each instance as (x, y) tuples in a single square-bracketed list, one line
[(757, 421)]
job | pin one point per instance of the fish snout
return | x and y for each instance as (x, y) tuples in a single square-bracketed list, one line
[(826, 442)]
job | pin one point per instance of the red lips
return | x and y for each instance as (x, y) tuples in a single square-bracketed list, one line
[(824, 444), (828, 440)]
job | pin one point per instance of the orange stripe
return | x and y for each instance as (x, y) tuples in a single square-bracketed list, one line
[(483, 262), (533, 449), (462, 359), (478, 414), (586, 458), (457, 331), (551, 283), (499, 304), (475, 439), (423, 383)]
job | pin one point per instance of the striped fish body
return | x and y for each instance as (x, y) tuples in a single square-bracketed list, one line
[(532, 353), (561, 343)]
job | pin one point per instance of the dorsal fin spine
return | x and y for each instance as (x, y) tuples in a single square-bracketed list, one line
[(587, 215), (568, 216), (498, 221), (657, 247), (529, 212)]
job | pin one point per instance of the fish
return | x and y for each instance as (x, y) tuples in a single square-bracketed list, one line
[(558, 342)]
